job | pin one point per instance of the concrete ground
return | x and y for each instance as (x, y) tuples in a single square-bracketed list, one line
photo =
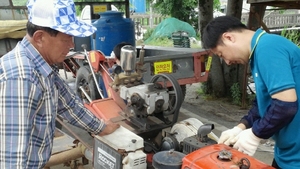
[(264, 152)]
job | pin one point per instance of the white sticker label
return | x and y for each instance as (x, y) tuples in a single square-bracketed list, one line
[(105, 159)]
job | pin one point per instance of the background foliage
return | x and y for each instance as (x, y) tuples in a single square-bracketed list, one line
[(185, 10)]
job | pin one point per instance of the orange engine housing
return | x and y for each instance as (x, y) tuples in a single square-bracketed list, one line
[(208, 157)]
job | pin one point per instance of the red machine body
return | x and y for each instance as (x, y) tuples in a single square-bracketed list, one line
[(212, 156)]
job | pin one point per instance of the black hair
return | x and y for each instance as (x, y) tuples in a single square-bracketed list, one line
[(215, 28), (32, 28), (117, 49)]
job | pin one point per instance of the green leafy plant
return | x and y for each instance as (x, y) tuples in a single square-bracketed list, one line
[(148, 33), (201, 92), (250, 98), (201, 89), (292, 35), (236, 93), (161, 41), (186, 10)]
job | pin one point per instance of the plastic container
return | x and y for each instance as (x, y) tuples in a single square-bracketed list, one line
[(112, 29), (181, 39)]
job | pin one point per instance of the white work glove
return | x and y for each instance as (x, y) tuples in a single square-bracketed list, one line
[(228, 135), (246, 142)]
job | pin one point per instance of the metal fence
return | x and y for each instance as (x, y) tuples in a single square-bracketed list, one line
[(272, 21), (278, 20), (145, 20)]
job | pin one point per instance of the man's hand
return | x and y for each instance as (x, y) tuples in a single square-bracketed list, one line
[(228, 135), (246, 142), (110, 128)]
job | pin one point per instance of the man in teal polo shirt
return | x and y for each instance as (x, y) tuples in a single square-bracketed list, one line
[(275, 66)]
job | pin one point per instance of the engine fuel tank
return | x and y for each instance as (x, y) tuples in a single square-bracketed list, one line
[(221, 156)]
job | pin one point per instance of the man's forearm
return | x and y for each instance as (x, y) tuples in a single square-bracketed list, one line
[(252, 115), (278, 115)]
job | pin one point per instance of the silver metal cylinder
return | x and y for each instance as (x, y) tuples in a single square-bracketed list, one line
[(128, 59)]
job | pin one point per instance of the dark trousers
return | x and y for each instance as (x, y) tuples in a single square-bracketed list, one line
[(274, 164)]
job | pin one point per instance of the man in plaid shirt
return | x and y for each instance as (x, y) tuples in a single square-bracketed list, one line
[(32, 94)]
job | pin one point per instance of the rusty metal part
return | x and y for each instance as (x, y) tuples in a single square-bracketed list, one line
[(225, 155), (244, 163), (70, 64)]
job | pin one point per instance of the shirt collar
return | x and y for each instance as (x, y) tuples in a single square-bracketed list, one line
[(32, 53), (253, 40)]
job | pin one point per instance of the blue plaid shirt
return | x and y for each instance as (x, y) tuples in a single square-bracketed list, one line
[(31, 96)]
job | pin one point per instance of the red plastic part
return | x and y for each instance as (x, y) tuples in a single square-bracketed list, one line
[(105, 109), (96, 57), (207, 158)]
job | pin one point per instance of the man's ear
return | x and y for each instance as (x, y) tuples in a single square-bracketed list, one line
[(228, 36), (38, 38)]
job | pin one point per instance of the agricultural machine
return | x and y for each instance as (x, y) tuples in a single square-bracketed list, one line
[(144, 95), (150, 135)]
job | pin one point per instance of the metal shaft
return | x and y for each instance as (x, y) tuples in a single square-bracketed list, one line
[(106, 72), (85, 94), (92, 70)]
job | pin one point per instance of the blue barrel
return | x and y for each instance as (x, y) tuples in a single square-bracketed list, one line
[(112, 29)]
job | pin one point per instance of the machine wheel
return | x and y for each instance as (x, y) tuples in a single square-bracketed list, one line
[(173, 98), (85, 79), (175, 95)]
